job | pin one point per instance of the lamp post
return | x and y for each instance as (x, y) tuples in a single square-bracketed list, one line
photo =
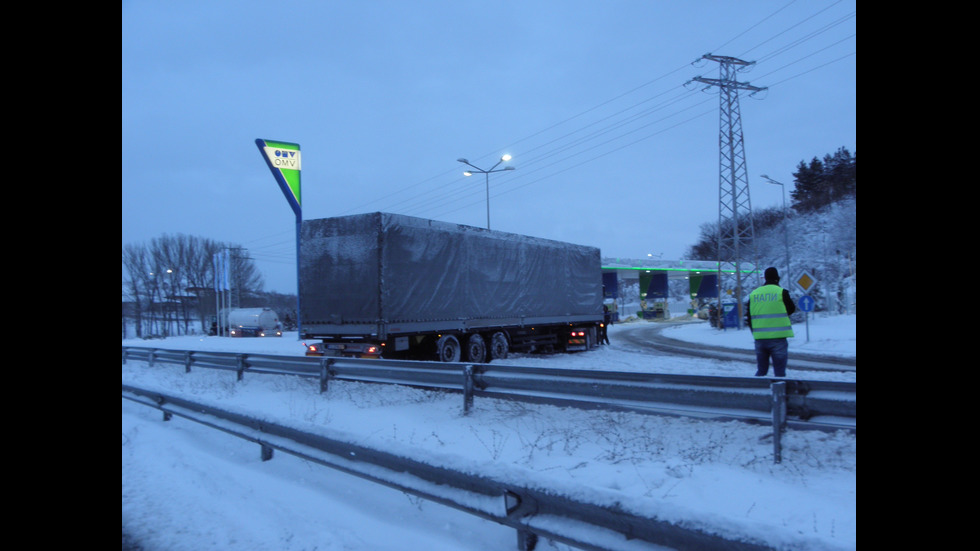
[(785, 224), (494, 168)]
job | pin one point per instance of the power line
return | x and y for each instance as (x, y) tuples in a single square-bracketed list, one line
[(436, 194), (515, 183), (766, 18)]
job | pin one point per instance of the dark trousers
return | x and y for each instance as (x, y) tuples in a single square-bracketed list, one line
[(778, 350)]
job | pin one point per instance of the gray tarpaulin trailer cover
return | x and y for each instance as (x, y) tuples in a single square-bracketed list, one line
[(384, 274)]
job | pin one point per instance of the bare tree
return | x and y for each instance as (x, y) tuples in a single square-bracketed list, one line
[(134, 261), (170, 282)]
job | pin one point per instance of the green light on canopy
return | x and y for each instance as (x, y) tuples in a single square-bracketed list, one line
[(284, 160), (689, 270)]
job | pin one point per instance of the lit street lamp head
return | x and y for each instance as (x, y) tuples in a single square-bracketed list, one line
[(504, 158)]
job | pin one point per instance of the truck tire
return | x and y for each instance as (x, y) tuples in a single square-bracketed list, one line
[(498, 347), (448, 349), (476, 349)]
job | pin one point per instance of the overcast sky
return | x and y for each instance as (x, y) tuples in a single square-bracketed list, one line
[(614, 146)]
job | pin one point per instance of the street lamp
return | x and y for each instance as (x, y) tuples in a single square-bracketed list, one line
[(785, 225), (487, 173)]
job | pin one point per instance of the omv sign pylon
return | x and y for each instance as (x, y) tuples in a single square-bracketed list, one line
[(284, 160)]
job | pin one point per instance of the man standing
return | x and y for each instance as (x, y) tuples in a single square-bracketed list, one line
[(769, 308), (604, 326)]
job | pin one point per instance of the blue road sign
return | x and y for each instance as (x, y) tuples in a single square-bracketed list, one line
[(806, 303)]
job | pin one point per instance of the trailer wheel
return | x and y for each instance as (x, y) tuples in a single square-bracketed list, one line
[(448, 348), (498, 347), (476, 349)]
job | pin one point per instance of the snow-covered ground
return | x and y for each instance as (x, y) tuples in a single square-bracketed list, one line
[(185, 486)]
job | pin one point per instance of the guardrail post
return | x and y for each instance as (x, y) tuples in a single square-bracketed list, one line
[(517, 506), (240, 358), (526, 541), (124, 351), (266, 452), (325, 375), (187, 361), (166, 414), (778, 418), (467, 389), (150, 357)]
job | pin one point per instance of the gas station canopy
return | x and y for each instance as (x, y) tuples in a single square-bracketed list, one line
[(630, 268)]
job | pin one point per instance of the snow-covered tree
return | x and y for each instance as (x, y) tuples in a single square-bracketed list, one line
[(818, 235)]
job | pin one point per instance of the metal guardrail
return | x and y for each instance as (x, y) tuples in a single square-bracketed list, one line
[(533, 512), (784, 403), (798, 404)]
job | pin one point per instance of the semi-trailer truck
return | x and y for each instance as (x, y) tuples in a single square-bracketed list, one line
[(395, 286), (251, 322)]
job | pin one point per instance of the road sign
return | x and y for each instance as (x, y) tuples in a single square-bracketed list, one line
[(806, 303), (806, 281)]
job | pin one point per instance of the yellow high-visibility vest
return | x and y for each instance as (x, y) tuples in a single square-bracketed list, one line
[(768, 313)]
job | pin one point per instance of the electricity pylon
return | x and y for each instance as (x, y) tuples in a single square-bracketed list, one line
[(735, 229)]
